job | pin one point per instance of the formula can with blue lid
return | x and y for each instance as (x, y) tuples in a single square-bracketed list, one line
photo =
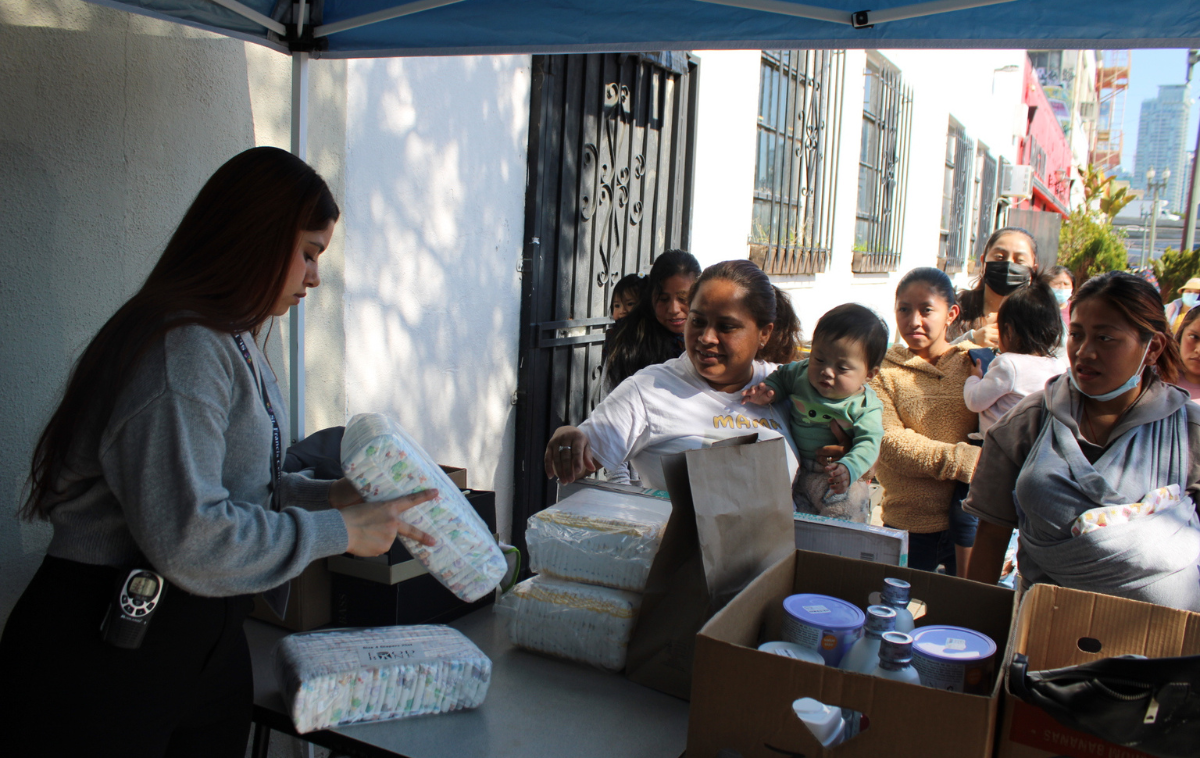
[(828, 624), (953, 658)]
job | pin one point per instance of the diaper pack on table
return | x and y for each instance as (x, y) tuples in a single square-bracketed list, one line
[(581, 622), (592, 553), (348, 676), (598, 537), (384, 462)]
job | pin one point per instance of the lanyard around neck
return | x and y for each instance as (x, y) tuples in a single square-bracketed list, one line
[(276, 437)]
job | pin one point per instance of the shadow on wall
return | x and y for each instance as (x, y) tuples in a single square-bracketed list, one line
[(435, 211), (111, 124)]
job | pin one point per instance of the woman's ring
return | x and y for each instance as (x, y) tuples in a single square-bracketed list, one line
[(563, 447)]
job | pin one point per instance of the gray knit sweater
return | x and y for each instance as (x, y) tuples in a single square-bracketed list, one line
[(181, 474)]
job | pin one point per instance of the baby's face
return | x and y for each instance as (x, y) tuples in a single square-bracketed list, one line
[(838, 369), (622, 304)]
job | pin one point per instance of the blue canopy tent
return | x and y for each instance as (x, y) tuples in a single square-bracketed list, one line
[(380, 28)]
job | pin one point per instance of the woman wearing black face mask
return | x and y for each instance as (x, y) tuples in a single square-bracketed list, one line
[(1009, 261)]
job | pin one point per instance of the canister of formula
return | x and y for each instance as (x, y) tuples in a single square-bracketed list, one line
[(953, 658), (826, 623)]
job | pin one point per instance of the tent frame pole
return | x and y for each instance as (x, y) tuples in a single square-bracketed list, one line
[(387, 14), (300, 62), (858, 19), (258, 18)]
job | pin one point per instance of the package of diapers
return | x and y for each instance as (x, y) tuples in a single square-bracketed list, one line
[(598, 537), (349, 676), (581, 622), (384, 463)]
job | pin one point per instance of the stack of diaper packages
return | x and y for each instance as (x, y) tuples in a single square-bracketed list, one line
[(349, 676), (383, 463), (592, 553)]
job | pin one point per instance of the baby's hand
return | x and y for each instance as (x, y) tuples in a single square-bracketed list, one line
[(759, 394), (977, 368), (839, 477)]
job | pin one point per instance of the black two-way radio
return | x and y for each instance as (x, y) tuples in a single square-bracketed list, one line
[(129, 614)]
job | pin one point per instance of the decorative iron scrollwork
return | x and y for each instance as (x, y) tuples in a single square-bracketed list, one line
[(611, 209)]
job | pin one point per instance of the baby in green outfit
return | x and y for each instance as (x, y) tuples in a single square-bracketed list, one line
[(827, 388)]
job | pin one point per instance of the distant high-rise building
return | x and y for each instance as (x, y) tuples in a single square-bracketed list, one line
[(1161, 142)]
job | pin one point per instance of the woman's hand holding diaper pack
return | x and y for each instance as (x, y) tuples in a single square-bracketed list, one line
[(373, 527)]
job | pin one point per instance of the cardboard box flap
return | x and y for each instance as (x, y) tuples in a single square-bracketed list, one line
[(1053, 621), (739, 539)]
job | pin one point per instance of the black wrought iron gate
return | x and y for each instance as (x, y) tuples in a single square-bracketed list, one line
[(611, 141)]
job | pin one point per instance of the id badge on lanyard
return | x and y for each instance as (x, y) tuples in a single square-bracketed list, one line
[(276, 436)]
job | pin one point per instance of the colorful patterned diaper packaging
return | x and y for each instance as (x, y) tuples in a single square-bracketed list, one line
[(384, 462), (349, 676)]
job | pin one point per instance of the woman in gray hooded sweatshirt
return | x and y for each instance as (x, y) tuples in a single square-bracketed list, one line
[(165, 455), (1100, 471)]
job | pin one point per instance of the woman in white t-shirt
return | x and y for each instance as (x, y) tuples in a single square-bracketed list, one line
[(694, 400)]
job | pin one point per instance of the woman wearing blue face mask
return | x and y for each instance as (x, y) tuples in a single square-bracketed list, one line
[(1062, 284), (1101, 470), (1189, 297)]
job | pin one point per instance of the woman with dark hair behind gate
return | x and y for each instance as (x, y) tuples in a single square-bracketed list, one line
[(165, 455)]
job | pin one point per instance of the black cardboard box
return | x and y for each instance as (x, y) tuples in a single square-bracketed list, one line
[(395, 588)]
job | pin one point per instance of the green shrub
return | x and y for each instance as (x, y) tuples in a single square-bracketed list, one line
[(1175, 268)]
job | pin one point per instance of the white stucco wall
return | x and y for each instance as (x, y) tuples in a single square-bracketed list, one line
[(111, 123), (726, 132), (435, 176), (944, 83)]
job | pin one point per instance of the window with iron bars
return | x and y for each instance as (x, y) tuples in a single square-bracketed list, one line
[(985, 213), (882, 168), (955, 231), (795, 179)]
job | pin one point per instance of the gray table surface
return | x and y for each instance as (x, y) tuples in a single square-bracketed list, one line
[(536, 706)]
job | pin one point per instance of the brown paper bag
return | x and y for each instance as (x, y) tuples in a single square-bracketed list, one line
[(731, 519)]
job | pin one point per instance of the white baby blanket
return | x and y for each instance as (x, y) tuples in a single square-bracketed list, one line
[(598, 537), (577, 621), (384, 462), (1155, 501), (347, 676)]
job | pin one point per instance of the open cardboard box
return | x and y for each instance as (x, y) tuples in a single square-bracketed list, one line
[(742, 698), (1051, 625)]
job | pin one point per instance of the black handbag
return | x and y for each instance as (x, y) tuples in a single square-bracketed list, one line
[(1150, 704)]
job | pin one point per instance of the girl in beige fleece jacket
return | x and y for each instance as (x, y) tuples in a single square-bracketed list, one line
[(925, 420)]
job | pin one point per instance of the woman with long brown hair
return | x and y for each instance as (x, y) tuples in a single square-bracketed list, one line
[(160, 473), (1100, 471)]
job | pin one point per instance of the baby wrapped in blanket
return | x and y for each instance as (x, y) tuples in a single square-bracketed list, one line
[(384, 462)]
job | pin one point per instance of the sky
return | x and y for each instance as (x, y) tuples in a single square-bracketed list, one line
[(1147, 70)]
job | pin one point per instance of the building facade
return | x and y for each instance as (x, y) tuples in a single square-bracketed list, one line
[(842, 170)]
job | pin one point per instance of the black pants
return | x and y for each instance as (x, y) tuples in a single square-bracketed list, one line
[(187, 691), (926, 551)]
